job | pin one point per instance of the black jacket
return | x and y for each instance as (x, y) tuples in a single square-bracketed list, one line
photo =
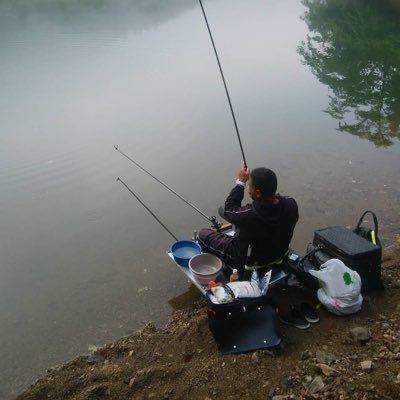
[(267, 227)]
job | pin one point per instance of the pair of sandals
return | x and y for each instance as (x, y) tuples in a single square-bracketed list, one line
[(300, 315)]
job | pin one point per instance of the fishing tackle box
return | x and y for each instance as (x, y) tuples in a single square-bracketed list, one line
[(355, 251), (244, 325)]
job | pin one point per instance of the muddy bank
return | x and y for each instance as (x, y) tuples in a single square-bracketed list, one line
[(181, 361)]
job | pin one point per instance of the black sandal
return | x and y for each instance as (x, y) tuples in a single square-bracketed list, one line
[(294, 317), (308, 312)]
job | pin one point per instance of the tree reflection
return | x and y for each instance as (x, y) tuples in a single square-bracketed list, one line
[(354, 48)]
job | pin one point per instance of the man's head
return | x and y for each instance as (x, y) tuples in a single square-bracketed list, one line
[(262, 183)]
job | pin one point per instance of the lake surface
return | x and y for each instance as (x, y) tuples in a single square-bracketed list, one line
[(82, 262)]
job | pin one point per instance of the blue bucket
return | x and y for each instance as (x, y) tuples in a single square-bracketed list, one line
[(184, 250)]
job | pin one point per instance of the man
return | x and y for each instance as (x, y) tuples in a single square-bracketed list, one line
[(266, 225)]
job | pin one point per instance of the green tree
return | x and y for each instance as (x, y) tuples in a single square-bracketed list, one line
[(354, 48)]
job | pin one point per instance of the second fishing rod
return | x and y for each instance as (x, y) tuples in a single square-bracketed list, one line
[(214, 223)]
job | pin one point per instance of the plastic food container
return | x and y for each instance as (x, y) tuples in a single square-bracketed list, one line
[(205, 267), (184, 250)]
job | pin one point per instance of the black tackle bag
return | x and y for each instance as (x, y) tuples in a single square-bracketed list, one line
[(359, 249)]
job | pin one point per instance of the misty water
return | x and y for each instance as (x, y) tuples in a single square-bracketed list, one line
[(316, 91)]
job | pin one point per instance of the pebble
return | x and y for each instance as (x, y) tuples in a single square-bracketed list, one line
[(366, 365), (326, 370), (94, 358), (324, 357), (255, 357), (316, 385), (360, 334), (97, 390), (388, 338), (305, 355), (396, 285)]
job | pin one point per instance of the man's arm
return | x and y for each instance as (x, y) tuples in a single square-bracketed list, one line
[(234, 200), (233, 203)]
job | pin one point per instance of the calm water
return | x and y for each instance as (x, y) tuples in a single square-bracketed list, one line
[(82, 262)]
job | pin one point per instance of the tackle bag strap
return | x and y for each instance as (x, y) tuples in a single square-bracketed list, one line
[(309, 254), (278, 262)]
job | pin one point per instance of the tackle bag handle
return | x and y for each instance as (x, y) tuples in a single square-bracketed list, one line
[(362, 219), (371, 234)]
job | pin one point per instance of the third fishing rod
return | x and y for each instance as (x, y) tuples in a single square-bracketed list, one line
[(223, 80), (215, 224), (147, 208)]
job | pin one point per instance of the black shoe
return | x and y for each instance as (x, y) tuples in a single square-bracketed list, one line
[(308, 312), (294, 317)]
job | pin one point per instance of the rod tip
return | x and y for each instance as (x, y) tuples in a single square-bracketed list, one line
[(116, 147)]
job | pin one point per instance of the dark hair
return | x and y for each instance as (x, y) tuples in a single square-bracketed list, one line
[(264, 180)]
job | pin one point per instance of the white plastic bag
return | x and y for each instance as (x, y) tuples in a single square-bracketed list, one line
[(337, 280), (254, 288), (340, 289), (264, 283), (241, 289), (245, 289), (220, 295), (339, 306)]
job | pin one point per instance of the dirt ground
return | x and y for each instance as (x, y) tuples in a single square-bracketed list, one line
[(181, 361)]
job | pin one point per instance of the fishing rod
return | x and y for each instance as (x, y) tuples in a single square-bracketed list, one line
[(147, 208), (214, 223), (223, 80)]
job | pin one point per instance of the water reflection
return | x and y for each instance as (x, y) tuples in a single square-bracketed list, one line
[(353, 47), (118, 16)]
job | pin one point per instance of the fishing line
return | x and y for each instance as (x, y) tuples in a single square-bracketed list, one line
[(223, 80), (213, 220), (147, 208)]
